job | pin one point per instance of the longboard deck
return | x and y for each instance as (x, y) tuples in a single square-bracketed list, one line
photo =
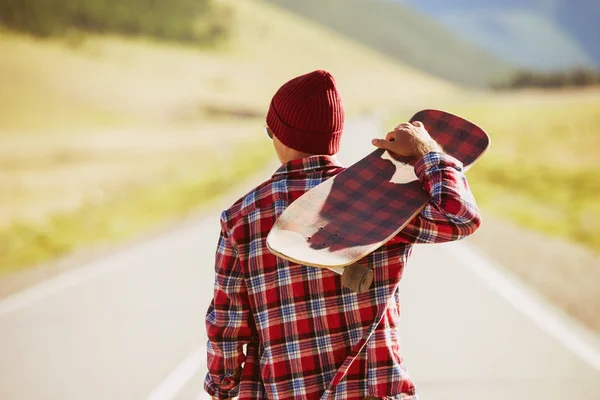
[(355, 212)]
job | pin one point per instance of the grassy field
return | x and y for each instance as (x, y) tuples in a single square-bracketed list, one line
[(109, 137), (542, 168), (197, 22), (131, 210)]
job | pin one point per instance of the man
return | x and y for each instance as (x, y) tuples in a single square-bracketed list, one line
[(306, 336)]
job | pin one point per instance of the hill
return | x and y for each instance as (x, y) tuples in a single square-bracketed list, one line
[(406, 35), (540, 34)]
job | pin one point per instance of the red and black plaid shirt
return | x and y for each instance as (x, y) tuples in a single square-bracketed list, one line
[(307, 336)]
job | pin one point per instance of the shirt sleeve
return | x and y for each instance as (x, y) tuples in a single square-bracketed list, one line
[(228, 323), (451, 213)]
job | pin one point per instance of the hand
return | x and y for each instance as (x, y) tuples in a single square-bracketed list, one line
[(408, 140)]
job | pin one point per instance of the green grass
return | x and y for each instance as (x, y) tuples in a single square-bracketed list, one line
[(542, 168), (133, 211), (200, 22)]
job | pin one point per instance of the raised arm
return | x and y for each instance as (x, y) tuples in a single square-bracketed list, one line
[(451, 213)]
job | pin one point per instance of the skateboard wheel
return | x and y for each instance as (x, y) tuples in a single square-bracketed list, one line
[(357, 278)]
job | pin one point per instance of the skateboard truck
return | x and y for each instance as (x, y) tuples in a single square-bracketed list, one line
[(357, 277)]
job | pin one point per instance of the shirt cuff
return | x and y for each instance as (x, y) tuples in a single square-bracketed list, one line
[(228, 389), (433, 160)]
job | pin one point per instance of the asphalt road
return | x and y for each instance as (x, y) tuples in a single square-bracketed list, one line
[(130, 325)]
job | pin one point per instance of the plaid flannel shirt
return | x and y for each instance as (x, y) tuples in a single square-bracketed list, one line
[(306, 336)]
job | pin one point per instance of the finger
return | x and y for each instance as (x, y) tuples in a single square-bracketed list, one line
[(418, 124), (391, 136), (381, 143), (403, 125)]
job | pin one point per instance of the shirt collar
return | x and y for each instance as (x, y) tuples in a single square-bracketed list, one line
[(308, 164)]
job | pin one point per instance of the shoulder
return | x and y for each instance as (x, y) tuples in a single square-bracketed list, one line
[(278, 188), (261, 196)]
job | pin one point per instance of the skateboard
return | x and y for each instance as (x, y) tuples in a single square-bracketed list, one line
[(345, 218)]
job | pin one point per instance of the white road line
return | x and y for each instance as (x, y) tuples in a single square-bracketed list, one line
[(172, 385), (526, 303)]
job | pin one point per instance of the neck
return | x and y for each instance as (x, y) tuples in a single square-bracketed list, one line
[(294, 156), (297, 156)]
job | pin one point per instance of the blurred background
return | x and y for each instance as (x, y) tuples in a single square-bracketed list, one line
[(121, 118)]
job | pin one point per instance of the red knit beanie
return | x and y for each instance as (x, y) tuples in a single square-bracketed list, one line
[(306, 114)]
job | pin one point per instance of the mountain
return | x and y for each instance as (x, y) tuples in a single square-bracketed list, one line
[(538, 34), (581, 18), (405, 34)]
